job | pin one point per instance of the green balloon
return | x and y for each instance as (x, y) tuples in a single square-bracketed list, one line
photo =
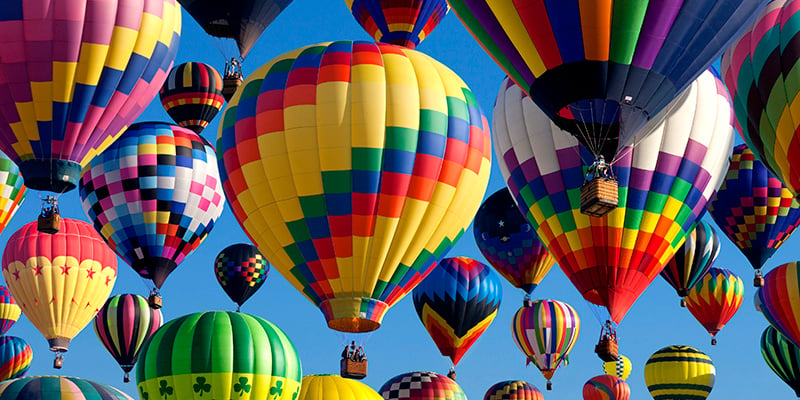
[(218, 355), (56, 388)]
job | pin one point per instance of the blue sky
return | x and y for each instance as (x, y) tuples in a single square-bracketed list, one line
[(402, 344)]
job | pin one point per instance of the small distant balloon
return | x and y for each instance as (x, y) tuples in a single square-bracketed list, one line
[(16, 356), (241, 270), (621, 368), (421, 385), (192, 95), (606, 387), (404, 23), (513, 390)]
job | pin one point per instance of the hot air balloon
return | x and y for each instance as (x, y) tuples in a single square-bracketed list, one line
[(760, 71), (545, 331), (692, 260), (679, 372), (509, 242), (606, 387), (715, 299), (15, 357), (241, 270), (12, 187), (665, 181), (68, 97), (456, 303), (323, 387), (782, 356), (192, 95), (421, 386), (154, 196), (513, 390), (600, 71), (754, 209), (123, 325), (621, 368), (405, 23), (780, 300), (9, 310), (59, 280), (58, 388), (220, 354), (354, 209)]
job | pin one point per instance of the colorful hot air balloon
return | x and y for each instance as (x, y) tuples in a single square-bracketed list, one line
[(621, 368), (241, 270), (12, 187), (58, 388), (324, 387), (760, 70), (123, 325), (679, 372), (220, 354), (509, 242), (665, 181), (606, 387), (715, 299), (354, 209), (457, 302), (405, 23), (780, 300), (15, 357), (90, 70), (154, 196), (782, 356), (545, 331), (692, 260), (601, 70), (754, 209), (9, 310), (59, 280), (513, 390), (192, 95), (421, 386)]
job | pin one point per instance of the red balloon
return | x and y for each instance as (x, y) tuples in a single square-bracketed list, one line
[(606, 387)]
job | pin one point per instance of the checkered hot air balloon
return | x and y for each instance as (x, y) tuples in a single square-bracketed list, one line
[(513, 390), (192, 95), (154, 196), (665, 181), (621, 367), (421, 386), (405, 22), (241, 270), (354, 187), (714, 300), (75, 74), (754, 209), (456, 302), (692, 260)]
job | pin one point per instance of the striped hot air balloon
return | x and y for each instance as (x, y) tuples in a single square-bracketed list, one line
[(606, 387), (621, 368), (692, 260), (779, 300), (16, 356), (12, 191), (679, 372), (58, 388), (325, 387), (545, 331), (192, 95), (715, 299), (513, 390), (421, 386), (123, 325), (457, 302), (9, 310), (405, 23), (782, 357)]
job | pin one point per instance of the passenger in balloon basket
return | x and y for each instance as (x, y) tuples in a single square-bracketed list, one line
[(607, 348), (599, 190), (49, 218), (354, 361)]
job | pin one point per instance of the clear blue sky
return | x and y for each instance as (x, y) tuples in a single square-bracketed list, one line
[(402, 344)]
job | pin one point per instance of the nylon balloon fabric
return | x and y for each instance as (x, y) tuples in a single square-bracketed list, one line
[(9, 310), (241, 270), (509, 243), (679, 372), (779, 300), (12, 191), (714, 300), (456, 302), (601, 69), (324, 387), (621, 368), (693, 259), (353, 208), (421, 386), (753, 208), (68, 91), (782, 357), (404, 23), (606, 387), (154, 196), (58, 388), (665, 181), (192, 95), (760, 70), (15, 357), (513, 390)]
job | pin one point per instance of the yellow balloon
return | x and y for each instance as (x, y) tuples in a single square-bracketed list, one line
[(679, 372), (621, 368), (324, 387)]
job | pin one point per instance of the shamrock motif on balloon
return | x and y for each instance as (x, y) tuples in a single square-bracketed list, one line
[(144, 395), (201, 386), (242, 386), (165, 390), (276, 390)]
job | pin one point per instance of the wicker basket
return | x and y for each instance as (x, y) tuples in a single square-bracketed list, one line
[(353, 369), (49, 224), (599, 197), (229, 86), (607, 349), (155, 301)]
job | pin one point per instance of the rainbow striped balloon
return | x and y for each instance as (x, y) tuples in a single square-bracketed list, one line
[(513, 390), (606, 387), (192, 95), (679, 372), (69, 90), (16, 356), (421, 386), (354, 167), (9, 310), (715, 299), (779, 300), (405, 23), (545, 331)]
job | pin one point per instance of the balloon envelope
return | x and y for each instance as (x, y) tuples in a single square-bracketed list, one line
[(421, 386), (606, 387), (779, 300), (241, 270), (15, 357), (324, 387), (782, 357), (545, 332), (621, 368), (714, 300), (693, 259), (58, 388), (679, 372), (9, 310), (513, 390), (192, 95), (404, 23)]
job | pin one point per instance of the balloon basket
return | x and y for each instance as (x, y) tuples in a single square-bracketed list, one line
[(683, 303), (607, 349), (58, 362), (599, 197), (155, 301), (451, 374), (353, 369), (549, 385), (49, 224), (758, 281), (713, 341), (229, 86)]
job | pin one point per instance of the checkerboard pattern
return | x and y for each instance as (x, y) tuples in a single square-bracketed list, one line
[(241, 269), (422, 386)]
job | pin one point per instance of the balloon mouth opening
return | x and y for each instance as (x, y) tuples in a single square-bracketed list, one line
[(58, 345), (353, 325), (353, 314), (57, 176), (154, 268)]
